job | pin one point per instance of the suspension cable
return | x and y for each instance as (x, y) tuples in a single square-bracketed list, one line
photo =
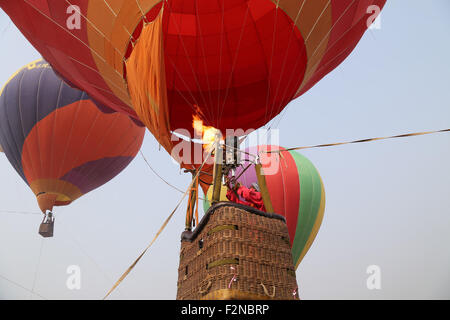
[(161, 229), (22, 287), (361, 141)]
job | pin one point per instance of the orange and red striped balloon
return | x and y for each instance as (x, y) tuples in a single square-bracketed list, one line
[(58, 140), (234, 63)]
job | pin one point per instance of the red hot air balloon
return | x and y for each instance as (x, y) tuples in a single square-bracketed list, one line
[(231, 63), (58, 140)]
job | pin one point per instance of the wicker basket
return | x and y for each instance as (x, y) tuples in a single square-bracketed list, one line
[(237, 252)]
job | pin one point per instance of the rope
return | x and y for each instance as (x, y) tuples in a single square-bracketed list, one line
[(234, 278), (245, 169), (190, 63), (208, 286), (161, 229), (157, 174), (330, 46), (20, 212), (230, 79), (267, 291), (2, 33), (20, 286), (37, 266), (164, 180), (70, 235), (361, 141), (192, 207)]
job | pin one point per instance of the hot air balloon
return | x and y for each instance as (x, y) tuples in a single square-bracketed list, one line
[(226, 64), (57, 139), (231, 64), (295, 189)]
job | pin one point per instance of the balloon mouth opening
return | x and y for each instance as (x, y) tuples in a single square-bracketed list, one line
[(47, 201)]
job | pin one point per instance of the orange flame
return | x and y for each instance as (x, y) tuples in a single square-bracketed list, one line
[(207, 133)]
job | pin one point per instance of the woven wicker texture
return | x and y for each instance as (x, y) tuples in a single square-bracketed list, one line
[(237, 253)]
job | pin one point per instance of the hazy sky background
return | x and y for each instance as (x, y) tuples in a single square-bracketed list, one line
[(388, 203)]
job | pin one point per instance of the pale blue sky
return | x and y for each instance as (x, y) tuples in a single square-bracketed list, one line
[(388, 203)]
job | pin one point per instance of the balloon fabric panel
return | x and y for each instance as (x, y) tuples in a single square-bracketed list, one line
[(309, 204), (283, 186)]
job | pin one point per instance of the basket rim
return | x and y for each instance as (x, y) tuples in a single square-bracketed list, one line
[(192, 235)]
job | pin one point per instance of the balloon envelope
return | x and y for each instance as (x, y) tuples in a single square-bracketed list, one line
[(233, 63), (296, 191), (58, 140)]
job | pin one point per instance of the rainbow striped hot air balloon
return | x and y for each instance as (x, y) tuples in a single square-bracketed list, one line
[(296, 191), (58, 140)]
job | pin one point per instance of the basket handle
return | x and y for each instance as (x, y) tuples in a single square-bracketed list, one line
[(206, 289), (267, 292)]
